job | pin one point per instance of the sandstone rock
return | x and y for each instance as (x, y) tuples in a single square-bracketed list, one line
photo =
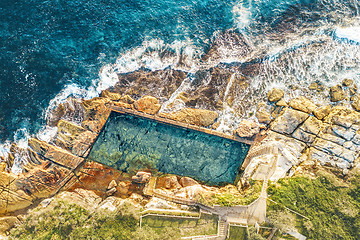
[(112, 184), (343, 116), (322, 112), (199, 117), (6, 223), (147, 104), (247, 129), (263, 116), (111, 95), (281, 103), (347, 82), (186, 182), (81, 197), (327, 147), (303, 104), (44, 180), (346, 133), (123, 188), (325, 158), (111, 191), (96, 113), (71, 110), (3, 166), (55, 154), (331, 137), (96, 177), (312, 125), (141, 177), (157, 203), (356, 103), (353, 90), (159, 83), (168, 182), (127, 99), (313, 86), (275, 95), (111, 204), (337, 93), (288, 121), (74, 138), (304, 136)]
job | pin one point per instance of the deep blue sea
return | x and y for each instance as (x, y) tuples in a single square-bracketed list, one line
[(50, 50)]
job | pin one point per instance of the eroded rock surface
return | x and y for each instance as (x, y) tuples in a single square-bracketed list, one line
[(192, 116)]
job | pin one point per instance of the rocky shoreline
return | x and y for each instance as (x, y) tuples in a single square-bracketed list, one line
[(302, 135)]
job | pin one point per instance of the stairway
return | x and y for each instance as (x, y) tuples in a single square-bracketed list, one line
[(222, 229)]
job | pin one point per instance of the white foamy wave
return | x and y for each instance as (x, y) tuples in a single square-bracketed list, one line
[(348, 33), (156, 54), (47, 134), (241, 16)]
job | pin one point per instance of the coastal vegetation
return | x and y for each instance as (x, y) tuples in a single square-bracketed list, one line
[(331, 205)]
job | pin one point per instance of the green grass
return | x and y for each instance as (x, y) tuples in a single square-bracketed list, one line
[(70, 221), (237, 233), (245, 197), (333, 209), (206, 225)]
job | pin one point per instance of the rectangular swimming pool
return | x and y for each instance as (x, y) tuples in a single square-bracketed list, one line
[(131, 143)]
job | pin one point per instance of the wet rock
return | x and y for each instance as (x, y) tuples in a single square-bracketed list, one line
[(303, 104), (6, 223), (55, 154), (3, 166), (74, 138), (111, 95), (71, 110), (141, 177), (168, 182), (186, 182), (337, 93), (199, 117), (346, 133), (288, 120), (247, 129), (263, 116), (353, 90), (343, 116), (147, 104), (355, 104), (127, 99), (96, 113), (313, 86), (275, 94), (160, 83), (228, 44), (322, 112), (347, 82)]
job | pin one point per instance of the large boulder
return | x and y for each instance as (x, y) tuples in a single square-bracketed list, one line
[(187, 182), (302, 104), (275, 95), (199, 117), (168, 182), (322, 112), (337, 93), (288, 120), (6, 223), (247, 129), (147, 104)]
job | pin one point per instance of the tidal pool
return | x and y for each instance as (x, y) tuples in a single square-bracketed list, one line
[(131, 143)]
